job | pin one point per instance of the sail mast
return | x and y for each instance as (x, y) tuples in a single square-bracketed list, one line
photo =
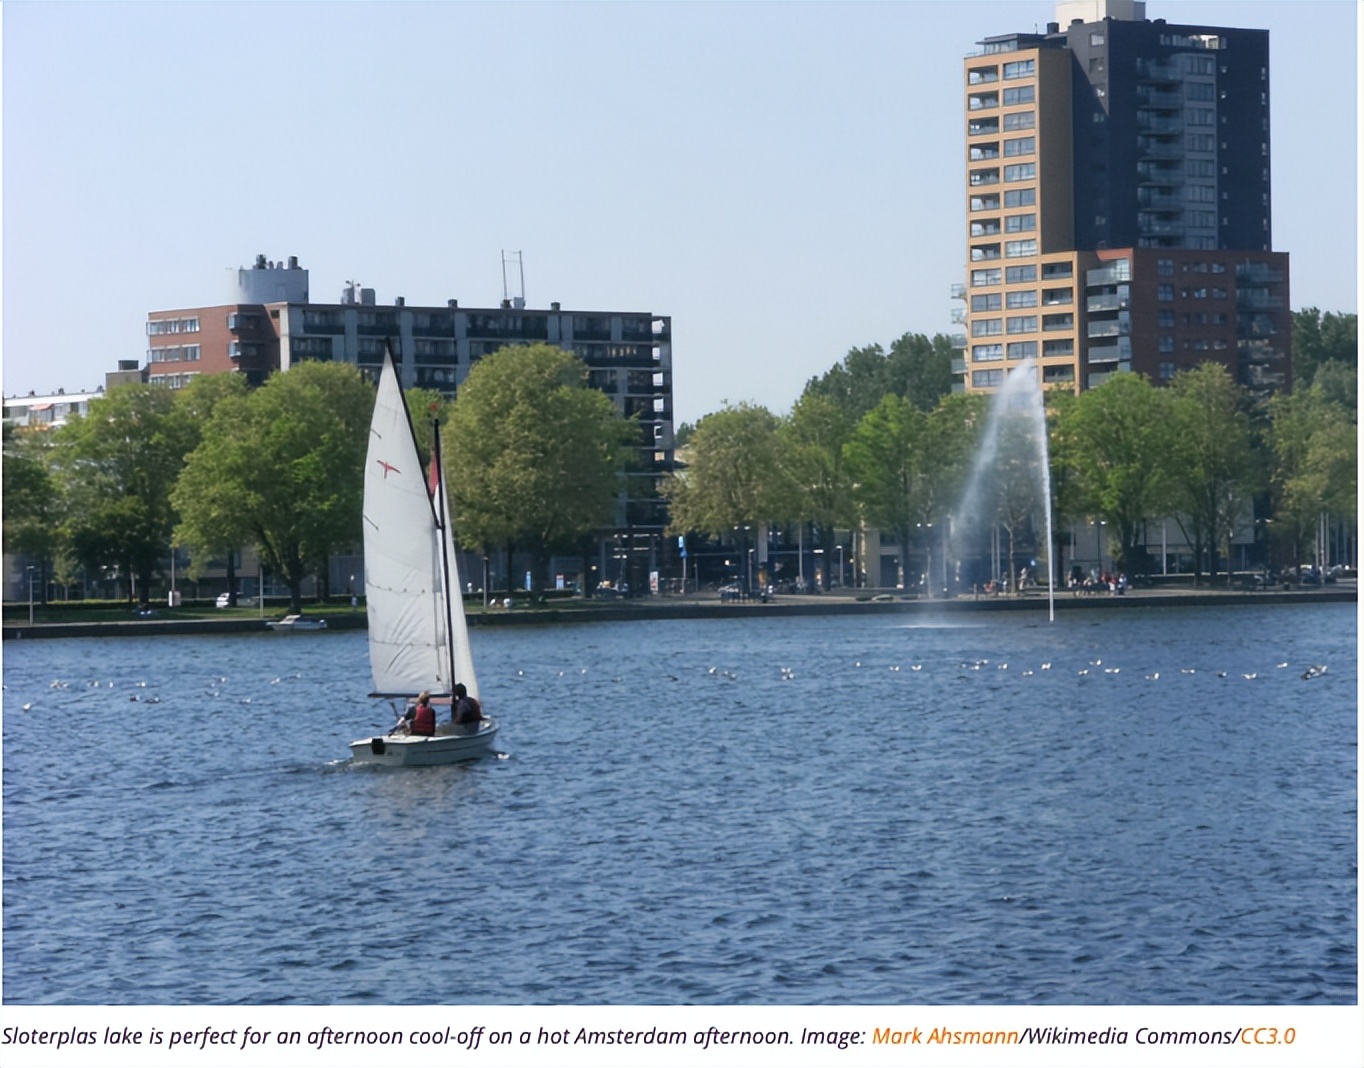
[(442, 512)]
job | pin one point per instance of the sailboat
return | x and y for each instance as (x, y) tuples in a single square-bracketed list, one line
[(418, 636)]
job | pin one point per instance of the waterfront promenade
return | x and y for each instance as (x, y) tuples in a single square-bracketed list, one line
[(707, 605)]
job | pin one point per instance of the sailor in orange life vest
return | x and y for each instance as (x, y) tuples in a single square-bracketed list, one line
[(421, 717)]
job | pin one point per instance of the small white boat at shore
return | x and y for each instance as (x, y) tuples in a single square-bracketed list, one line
[(292, 623), (418, 636)]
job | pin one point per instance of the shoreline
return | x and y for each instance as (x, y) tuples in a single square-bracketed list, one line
[(708, 606)]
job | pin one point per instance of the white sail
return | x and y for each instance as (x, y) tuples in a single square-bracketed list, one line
[(408, 557)]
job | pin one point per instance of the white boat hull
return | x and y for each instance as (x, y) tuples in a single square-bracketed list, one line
[(289, 624), (413, 751)]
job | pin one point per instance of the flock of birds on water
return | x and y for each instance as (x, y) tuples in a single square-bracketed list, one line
[(785, 674)]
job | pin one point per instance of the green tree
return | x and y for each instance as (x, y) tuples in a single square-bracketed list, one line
[(886, 459), (283, 467), (1314, 442), (1322, 339), (916, 368), (811, 441), (1112, 437), (116, 468), (32, 507), (208, 529), (731, 478), (535, 457), (1211, 460)]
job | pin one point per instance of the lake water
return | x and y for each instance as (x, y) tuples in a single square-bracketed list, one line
[(1122, 807)]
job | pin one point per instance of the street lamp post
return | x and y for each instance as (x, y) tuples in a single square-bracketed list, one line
[(29, 569)]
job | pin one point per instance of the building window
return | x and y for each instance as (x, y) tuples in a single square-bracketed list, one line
[(1197, 142), (1025, 273), (173, 326), (1022, 350), (986, 202), (987, 327), (979, 75), (1018, 224), (984, 302), (1167, 343), (985, 176), (1057, 296), (1023, 298), (985, 379), (986, 353), (1020, 120), (1019, 68), (1064, 346), (1165, 292), (1056, 270), (1165, 268), (987, 277), (981, 101), (1022, 324), (1023, 94), (1167, 371), (1165, 318), (1019, 198), (1020, 146), (1063, 321), (984, 252), (1020, 172), (1017, 249)]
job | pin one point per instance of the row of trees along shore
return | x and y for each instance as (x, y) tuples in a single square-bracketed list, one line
[(880, 439), (537, 459)]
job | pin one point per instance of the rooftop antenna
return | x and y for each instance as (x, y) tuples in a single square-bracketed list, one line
[(507, 299)]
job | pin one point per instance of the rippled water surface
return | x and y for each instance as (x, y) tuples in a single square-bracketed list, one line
[(1121, 807)]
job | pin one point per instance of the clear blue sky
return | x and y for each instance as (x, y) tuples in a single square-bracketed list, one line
[(784, 180)]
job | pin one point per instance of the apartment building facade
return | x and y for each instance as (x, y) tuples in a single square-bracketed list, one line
[(1118, 203), (272, 323)]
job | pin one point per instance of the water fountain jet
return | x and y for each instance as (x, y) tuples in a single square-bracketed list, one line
[(1011, 478)]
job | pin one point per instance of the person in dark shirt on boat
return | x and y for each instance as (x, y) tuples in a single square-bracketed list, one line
[(467, 712), (421, 717)]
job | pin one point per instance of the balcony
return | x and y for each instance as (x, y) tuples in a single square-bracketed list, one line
[(1160, 150), (1118, 271), (1154, 125), (1107, 328), (1149, 97), (980, 153), (1158, 201), (1107, 302), (958, 365), (958, 341), (1258, 272), (1157, 73), (990, 177), (958, 291), (979, 127), (985, 228), (1106, 354)]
